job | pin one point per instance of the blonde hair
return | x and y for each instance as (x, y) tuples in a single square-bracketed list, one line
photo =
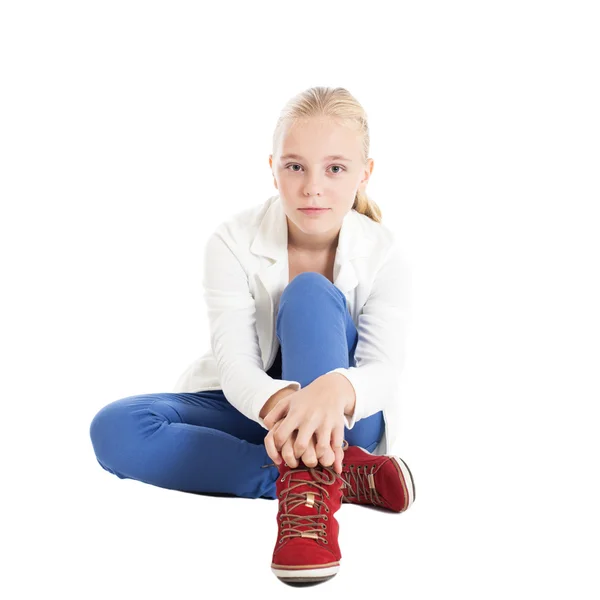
[(338, 104)]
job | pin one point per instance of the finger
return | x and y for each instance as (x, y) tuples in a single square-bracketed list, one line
[(309, 458), (277, 412), (284, 432), (323, 449), (339, 459), (270, 445), (270, 448), (337, 439), (287, 451), (303, 440)]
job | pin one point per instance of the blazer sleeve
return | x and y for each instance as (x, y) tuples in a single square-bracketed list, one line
[(233, 335), (380, 350)]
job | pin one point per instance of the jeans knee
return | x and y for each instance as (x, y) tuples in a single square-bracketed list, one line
[(102, 428), (310, 294), (115, 426), (308, 278), (311, 284)]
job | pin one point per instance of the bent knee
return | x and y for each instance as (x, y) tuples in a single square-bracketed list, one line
[(116, 425), (311, 278), (311, 283)]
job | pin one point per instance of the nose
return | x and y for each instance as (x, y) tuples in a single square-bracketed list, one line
[(313, 188)]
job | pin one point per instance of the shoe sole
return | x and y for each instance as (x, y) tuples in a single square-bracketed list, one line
[(303, 574), (408, 479), (405, 474)]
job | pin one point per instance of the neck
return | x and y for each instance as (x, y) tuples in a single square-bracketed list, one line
[(312, 244)]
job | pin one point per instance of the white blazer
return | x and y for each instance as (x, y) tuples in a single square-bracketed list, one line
[(246, 269)]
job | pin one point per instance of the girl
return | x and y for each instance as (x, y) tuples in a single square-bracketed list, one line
[(307, 299)]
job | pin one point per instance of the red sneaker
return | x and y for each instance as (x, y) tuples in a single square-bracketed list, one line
[(307, 547), (383, 481)]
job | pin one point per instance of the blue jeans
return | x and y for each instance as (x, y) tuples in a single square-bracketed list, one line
[(198, 442)]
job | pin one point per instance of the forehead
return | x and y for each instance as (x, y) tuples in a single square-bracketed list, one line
[(312, 138), (330, 157)]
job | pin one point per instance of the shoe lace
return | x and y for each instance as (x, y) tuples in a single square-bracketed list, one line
[(364, 485), (311, 525)]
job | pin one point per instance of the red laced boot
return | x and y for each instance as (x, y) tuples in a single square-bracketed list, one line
[(383, 481), (307, 547)]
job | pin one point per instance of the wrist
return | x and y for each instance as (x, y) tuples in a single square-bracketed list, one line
[(343, 389), (274, 399)]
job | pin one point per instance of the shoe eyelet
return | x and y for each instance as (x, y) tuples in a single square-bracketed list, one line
[(281, 479), (281, 541), (326, 517), (325, 541)]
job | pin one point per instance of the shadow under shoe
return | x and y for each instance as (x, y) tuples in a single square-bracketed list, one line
[(307, 549)]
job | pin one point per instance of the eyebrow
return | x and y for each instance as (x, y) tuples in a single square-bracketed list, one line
[(330, 157)]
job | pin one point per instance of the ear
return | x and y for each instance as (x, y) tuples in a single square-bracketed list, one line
[(368, 170)]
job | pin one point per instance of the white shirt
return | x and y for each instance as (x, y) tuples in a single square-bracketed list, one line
[(245, 271)]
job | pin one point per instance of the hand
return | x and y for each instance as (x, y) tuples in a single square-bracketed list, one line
[(309, 458), (316, 409)]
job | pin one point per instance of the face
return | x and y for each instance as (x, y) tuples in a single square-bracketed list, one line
[(312, 178)]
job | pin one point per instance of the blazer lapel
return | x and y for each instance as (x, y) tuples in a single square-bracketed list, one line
[(271, 242)]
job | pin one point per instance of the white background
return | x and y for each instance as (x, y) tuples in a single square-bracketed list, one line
[(130, 130)]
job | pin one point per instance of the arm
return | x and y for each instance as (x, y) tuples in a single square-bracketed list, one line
[(379, 353), (234, 341), (274, 399), (343, 388)]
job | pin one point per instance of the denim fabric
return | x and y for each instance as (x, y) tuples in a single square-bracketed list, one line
[(198, 442)]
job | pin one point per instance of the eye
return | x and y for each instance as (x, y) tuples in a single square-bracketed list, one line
[(332, 166)]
